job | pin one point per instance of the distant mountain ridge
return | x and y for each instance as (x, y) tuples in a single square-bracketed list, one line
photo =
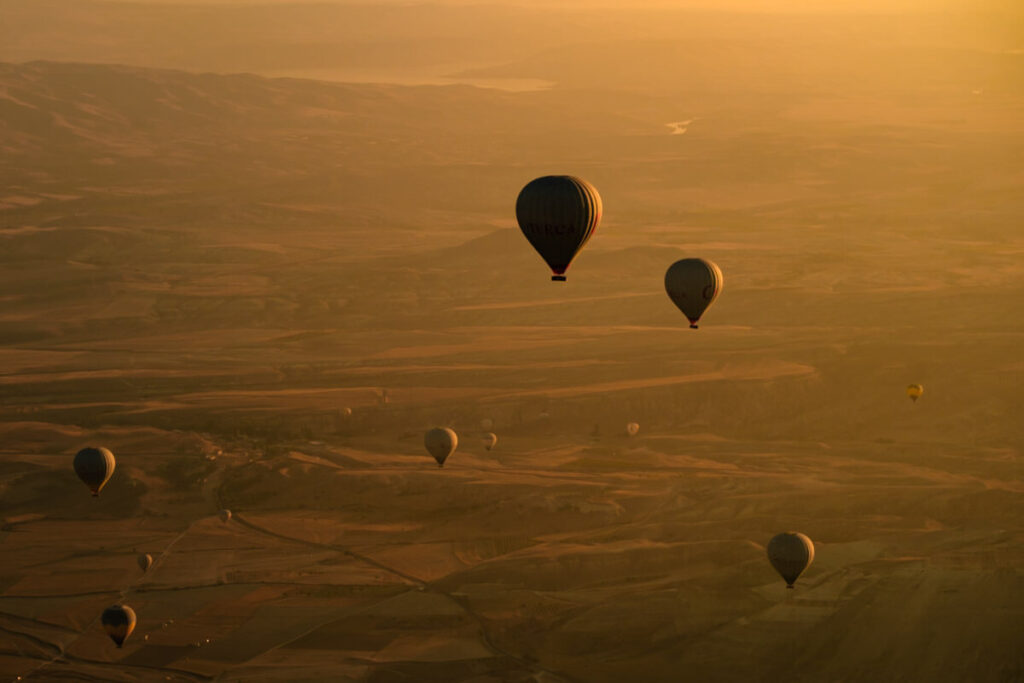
[(212, 143), (111, 104)]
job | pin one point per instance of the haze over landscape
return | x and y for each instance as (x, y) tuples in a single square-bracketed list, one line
[(258, 248)]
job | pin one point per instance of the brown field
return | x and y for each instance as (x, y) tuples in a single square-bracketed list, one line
[(201, 270)]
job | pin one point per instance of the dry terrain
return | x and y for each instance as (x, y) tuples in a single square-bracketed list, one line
[(201, 271)]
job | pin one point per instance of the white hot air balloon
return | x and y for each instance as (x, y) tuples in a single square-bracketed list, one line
[(693, 284), (790, 553), (441, 442)]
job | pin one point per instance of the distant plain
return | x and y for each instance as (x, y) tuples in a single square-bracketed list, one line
[(201, 268)]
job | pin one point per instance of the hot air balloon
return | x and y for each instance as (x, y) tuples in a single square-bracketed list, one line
[(345, 412), (790, 553), (632, 429), (558, 214), (145, 561), (440, 442), (225, 516), (119, 622), (487, 424), (94, 466), (490, 440), (914, 392), (693, 284)]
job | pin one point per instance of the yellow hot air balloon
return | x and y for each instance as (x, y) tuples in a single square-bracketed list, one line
[(632, 429), (119, 622), (790, 553), (94, 466), (693, 284), (145, 561), (558, 214), (441, 442), (490, 440), (914, 392)]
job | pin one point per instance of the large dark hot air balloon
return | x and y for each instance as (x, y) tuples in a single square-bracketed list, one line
[(119, 622), (790, 553), (558, 214), (94, 466), (441, 442), (693, 284)]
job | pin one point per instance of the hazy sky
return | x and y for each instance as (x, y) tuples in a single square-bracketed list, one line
[(817, 6)]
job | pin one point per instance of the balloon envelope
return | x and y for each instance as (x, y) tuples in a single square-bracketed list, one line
[(224, 515), (94, 466), (145, 561), (632, 429), (693, 284), (119, 622), (558, 214), (490, 440), (790, 553), (914, 392), (441, 443), (487, 424)]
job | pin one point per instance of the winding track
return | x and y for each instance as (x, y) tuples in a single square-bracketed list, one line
[(419, 584), (124, 593), (212, 492)]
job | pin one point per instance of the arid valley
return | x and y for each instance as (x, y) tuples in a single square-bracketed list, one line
[(259, 291)]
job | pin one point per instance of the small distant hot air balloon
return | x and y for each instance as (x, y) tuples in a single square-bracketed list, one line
[(487, 424), (441, 442), (145, 561), (914, 392), (693, 284), (94, 466), (225, 516), (790, 553), (119, 622), (345, 412), (490, 440), (632, 429), (558, 214)]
